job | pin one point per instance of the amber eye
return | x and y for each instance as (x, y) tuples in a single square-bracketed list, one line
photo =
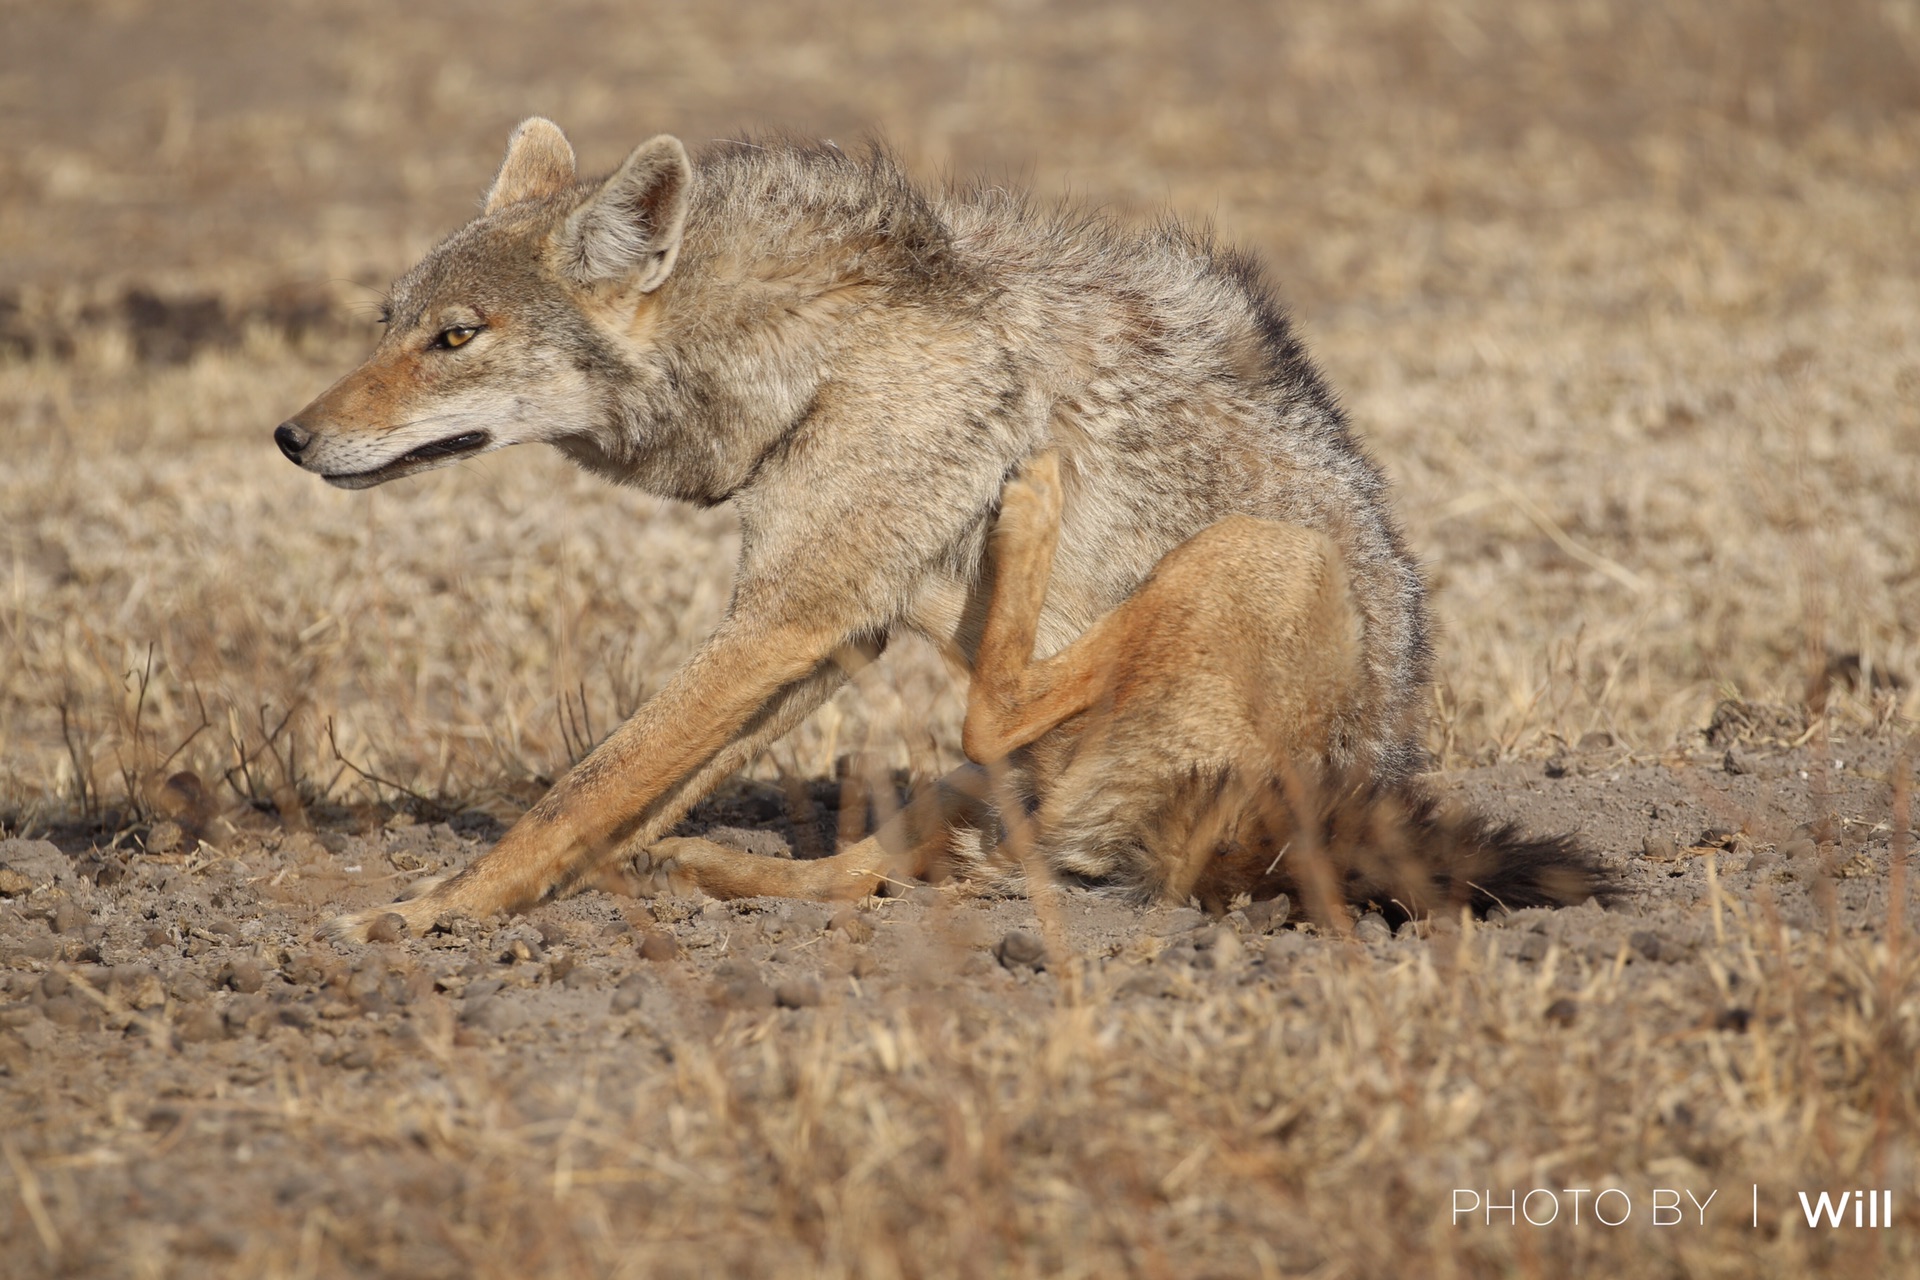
[(458, 336)]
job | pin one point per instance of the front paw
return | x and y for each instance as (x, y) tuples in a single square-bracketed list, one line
[(413, 914)]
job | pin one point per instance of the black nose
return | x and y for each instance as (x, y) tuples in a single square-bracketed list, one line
[(292, 438)]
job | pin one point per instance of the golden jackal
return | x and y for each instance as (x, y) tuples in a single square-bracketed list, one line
[(858, 366)]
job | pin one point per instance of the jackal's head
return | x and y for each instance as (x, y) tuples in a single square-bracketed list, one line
[(498, 337)]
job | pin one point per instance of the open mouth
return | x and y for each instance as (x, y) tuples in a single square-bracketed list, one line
[(420, 459)]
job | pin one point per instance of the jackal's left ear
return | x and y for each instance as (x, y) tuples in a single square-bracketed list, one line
[(629, 230), (539, 163)]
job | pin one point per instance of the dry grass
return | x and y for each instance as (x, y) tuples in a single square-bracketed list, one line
[(1621, 295)]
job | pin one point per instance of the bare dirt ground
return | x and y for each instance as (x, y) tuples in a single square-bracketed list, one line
[(1622, 297)]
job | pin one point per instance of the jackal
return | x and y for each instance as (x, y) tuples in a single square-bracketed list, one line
[(859, 365)]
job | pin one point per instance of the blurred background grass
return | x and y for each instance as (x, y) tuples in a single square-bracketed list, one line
[(1621, 295)]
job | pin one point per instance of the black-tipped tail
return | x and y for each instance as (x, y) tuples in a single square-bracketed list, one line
[(1398, 850)]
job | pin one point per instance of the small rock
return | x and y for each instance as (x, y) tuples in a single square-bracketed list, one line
[(1656, 947), (67, 1011), (852, 924), (40, 861), (202, 1025), (1735, 762), (13, 1054), (68, 918), (1556, 766), (1022, 950), (552, 933), (1265, 917), (1596, 740), (798, 993), (659, 946), (1563, 1012), (490, 1014), (187, 987), (559, 965), (243, 975), (1217, 948), (1372, 927), (1658, 849), (744, 992), (14, 884), (54, 984), (361, 1057), (631, 993), (165, 836), (245, 1012), (389, 926), (155, 938), (1532, 949), (1799, 847)]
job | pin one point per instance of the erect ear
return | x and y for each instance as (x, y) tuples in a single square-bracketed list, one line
[(629, 230), (539, 162)]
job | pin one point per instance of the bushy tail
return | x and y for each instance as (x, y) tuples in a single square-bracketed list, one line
[(1400, 851)]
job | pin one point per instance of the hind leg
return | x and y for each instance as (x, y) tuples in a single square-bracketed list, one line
[(904, 848), (1238, 662)]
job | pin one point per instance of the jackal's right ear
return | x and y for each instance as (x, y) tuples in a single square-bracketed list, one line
[(629, 230), (539, 163)]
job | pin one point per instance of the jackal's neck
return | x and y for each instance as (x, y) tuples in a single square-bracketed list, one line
[(786, 252)]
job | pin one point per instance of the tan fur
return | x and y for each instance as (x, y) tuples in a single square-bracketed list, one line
[(858, 366)]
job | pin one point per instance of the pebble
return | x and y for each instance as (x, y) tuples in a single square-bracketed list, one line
[(200, 1026), (1656, 947), (1735, 762), (1563, 1012), (1372, 927), (1532, 948), (631, 993), (187, 987), (40, 861), (1217, 948), (743, 993), (14, 884), (852, 924), (552, 933), (1022, 950), (243, 975), (659, 946), (67, 1011), (68, 918), (165, 837), (1270, 914), (491, 1014), (1658, 848), (390, 926), (798, 993)]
